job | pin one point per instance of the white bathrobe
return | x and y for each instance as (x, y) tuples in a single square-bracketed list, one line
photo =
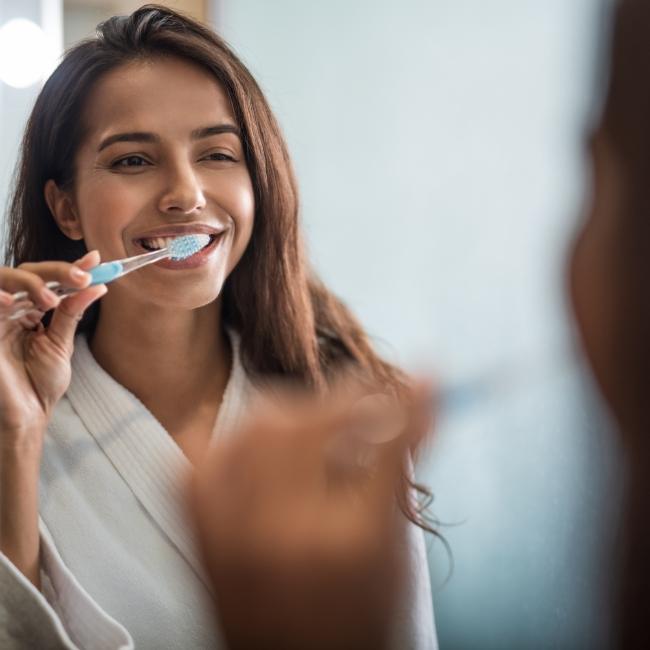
[(118, 563)]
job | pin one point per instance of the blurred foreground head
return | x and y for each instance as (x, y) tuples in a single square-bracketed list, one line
[(610, 286)]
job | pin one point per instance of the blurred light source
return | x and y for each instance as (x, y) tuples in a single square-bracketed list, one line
[(25, 54)]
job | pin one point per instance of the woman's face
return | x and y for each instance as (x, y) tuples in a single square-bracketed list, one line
[(162, 156)]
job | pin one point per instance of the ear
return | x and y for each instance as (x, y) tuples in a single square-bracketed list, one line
[(63, 210)]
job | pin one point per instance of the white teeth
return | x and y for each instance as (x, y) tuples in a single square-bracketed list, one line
[(157, 242), (162, 242)]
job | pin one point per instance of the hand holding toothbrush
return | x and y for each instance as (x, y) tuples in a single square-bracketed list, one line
[(303, 548), (34, 360)]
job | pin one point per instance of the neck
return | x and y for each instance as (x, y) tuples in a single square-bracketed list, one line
[(174, 361)]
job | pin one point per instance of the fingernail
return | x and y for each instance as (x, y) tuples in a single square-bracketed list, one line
[(49, 297), (78, 274)]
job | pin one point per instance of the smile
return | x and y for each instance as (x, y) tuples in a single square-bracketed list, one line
[(199, 258)]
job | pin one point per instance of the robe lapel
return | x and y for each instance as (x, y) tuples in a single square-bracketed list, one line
[(140, 449)]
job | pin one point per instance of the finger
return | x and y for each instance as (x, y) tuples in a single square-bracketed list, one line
[(67, 274), (33, 285), (31, 320), (378, 418), (359, 419), (89, 260), (67, 315), (392, 458), (383, 417), (21, 280), (6, 299), (6, 307), (64, 272)]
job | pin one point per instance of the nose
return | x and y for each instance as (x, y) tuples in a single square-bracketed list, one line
[(183, 193)]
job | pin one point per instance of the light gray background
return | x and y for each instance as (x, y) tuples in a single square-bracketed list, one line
[(438, 146)]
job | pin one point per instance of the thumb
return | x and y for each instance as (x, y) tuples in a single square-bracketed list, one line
[(67, 315), (391, 456)]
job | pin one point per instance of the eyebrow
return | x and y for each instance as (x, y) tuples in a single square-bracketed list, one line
[(143, 136), (207, 131)]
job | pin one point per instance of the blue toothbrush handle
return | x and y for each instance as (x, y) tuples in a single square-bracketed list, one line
[(101, 274), (106, 272)]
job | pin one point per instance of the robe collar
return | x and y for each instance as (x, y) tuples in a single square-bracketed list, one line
[(142, 452)]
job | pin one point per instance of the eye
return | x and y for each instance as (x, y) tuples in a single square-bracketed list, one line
[(219, 156), (130, 161)]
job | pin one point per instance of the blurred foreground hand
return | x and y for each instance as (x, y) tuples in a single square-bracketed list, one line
[(299, 524)]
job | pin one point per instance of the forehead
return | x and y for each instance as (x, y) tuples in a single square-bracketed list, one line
[(168, 96)]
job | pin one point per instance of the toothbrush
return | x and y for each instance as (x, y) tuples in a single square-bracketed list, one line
[(178, 249)]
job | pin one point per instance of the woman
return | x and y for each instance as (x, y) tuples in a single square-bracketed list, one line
[(610, 286), (151, 130)]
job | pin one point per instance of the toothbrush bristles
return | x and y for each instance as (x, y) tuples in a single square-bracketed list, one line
[(187, 245)]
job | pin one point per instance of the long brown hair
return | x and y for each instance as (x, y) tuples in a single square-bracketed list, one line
[(625, 126), (290, 324)]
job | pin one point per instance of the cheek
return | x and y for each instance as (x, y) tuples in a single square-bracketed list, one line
[(242, 211), (106, 208)]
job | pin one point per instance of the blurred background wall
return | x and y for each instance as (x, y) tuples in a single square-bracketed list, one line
[(439, 149), (15, 103)]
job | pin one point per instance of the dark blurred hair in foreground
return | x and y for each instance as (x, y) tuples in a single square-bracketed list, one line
[(625, 125)]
